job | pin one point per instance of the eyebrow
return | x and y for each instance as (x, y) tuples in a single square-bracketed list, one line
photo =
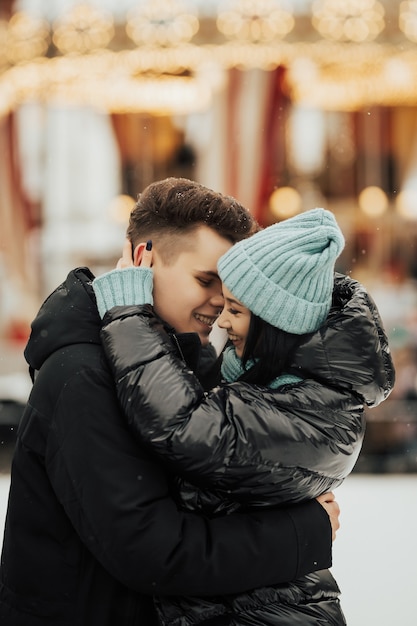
[(232, 301), (209, 273)]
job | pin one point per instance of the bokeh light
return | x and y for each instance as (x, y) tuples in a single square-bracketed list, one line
[(406, 204), (120, 208), (256, 21), (82, 30), (285, 202), (162, 23), (373, 201), (348, 20)]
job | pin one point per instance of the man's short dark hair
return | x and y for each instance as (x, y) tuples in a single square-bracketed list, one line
[(171, 208)]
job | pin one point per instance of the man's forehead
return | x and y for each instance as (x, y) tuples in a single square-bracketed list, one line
[(201, 247)]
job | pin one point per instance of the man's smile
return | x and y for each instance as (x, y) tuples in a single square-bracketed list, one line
[(208, 320)]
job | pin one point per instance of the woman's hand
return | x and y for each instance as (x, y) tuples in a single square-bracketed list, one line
[(144, 253), (327, 500), (126, 259)]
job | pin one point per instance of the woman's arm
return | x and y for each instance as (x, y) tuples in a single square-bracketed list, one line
[(237, 437)]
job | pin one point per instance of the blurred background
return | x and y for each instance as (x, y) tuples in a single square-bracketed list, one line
[(286, 105)]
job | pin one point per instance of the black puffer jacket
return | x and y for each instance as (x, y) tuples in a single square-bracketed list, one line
[(248, 446), (91, 529)]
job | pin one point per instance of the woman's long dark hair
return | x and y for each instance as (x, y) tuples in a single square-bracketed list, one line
[(271, 348)]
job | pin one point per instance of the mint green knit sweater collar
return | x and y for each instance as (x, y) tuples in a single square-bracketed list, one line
[(232, 369)]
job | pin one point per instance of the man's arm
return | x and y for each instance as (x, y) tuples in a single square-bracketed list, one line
[(118, 500)]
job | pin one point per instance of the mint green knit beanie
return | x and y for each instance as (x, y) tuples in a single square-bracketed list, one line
[(284, 273)]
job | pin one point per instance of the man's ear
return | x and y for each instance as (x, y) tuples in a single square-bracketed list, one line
[(137, 253)]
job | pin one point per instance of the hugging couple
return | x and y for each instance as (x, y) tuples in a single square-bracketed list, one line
[(155, 482)]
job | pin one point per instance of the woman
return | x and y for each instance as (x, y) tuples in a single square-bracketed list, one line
[(308, 352)]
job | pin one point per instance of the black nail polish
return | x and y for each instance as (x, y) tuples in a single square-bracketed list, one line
[(149, 244)]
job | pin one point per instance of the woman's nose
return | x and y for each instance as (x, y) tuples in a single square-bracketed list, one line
[(222, 320)]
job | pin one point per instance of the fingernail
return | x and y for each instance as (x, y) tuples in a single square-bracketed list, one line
[(149, 244)]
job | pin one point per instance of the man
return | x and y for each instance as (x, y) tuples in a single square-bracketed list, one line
[(91, 530)]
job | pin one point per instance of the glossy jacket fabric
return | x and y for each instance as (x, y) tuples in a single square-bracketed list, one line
[(91, 529), (248, 446)]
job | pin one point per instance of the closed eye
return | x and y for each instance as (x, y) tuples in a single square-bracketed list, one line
[(205, 282)]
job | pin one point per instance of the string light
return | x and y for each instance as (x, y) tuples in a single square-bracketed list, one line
[(162, 23), (255, 20), (348, 20), (82, 30), (407, 21), (340, 74), (23, 38)]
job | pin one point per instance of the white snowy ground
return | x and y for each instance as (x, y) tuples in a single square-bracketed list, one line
[(375, 554)]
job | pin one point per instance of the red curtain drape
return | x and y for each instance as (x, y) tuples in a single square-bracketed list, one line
[(274, 142), (17, 218), (256, 128)]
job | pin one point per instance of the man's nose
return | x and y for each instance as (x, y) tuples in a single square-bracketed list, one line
[(217, 300)]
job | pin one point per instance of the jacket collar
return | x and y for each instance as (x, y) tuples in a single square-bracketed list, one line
[(188, 348)]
